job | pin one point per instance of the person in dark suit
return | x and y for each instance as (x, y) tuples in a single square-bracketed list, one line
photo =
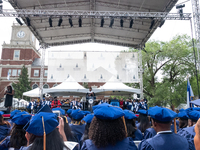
[(9, 97)]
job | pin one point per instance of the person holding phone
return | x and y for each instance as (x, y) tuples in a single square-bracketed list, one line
[(9, 97)]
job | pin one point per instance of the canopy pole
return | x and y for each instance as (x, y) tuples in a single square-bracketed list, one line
[(140, 71)]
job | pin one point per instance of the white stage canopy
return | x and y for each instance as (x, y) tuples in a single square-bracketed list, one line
[(34, 93), (68, 87), (115, 87)]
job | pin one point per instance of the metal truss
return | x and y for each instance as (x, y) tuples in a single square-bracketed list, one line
[(93, 14), (196, 18)]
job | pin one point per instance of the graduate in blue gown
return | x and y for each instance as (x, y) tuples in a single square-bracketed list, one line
[(143, 120), (165, 138), (76, 125), (189, 132), (4, 127), (149, 133), (183, 120), (17, 137), (108, 130), (134, 133)]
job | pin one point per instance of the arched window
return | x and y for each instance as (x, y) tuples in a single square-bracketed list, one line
[(45, 86), (34, 86), (55, 85)]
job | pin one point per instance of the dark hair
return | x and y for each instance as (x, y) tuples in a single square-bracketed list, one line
[(131, 128), (161, 121), (17, 138), (3, 122), (144, 122), (10, 88), (105, 132), (85, 135), (54, 141), (68, 131), (183, 123)]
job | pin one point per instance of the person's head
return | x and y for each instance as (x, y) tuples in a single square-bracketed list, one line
[(55, 98), (2, 121), (32, 100), (67, 130), (77, 115), (142, 100), (127, 100), (90, 88), (197, 135), (193, 117), (9, 88), (161, 126), (183, 123), (144, 122)]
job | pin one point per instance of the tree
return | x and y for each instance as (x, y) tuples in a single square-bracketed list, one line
[(23, 83)]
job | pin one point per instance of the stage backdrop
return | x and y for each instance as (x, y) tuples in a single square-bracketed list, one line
[(92, 66)]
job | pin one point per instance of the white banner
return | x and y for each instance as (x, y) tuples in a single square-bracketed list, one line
[(92, 66)]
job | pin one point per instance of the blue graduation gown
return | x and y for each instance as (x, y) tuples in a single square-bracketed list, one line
[(24, 148), (189, 134), (78, 130), (149, 133), (4, 131), (69, 120), (137, 125), (138, 135), (177, 125), (126, 144), (164, 141)]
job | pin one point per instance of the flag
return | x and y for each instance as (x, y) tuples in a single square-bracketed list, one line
[(190, 94), (8, 76)]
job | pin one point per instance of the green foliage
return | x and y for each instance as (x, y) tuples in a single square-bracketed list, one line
[(23, 83)]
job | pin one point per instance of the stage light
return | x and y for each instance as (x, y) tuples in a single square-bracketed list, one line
[(102, 22), (70, 21), (50, 22), (60, 21), (152, 24), (180, 6), (162, 23), (180, 10), (121, 22), (19, 21), (80, 22), (28, 21), (131, 23), (111, 22)]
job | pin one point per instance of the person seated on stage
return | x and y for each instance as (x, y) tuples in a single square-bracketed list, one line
[(55, 103), (189, 132), (76, 125), (17, 137), (121, 103), (125, 104), (130, 104), (31, 105), (74, 104), (5, 127), (37, 105), (165, 138), (134, 133), (143, 105), (108, 130), (143, 121), (79, 104), (103, 101), (87, 119)]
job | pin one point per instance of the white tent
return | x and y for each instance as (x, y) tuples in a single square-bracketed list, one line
[(115, 87), (34, 93), (68, 87)]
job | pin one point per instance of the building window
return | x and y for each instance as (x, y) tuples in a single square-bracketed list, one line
[(34, 86), (45, 73), (19, 72), (9, 71), (14, 72), (45, 86), (55, 85), (16, 54), (36, 72)]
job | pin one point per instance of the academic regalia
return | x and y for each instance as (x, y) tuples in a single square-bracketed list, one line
[(149, 133), (69, 120), (78, 129), (189, 134), (143, 105), (6, 143), (177, 126), (126, 144), (137, 125), (164, 141), (4, 131), (138, 135)]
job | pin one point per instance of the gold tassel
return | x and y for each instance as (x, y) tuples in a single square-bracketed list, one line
[(125, 125), (66, 119), (44, 136)]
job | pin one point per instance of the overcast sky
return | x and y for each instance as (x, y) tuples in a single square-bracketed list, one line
[(166, 33)]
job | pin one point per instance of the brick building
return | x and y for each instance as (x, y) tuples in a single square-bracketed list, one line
[(22, 51)]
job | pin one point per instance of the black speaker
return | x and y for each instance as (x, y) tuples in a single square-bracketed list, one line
[(138, 95)]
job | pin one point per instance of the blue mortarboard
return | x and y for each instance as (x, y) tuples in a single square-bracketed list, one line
[(36, 125), (100, 105), (195, 115), (188, 110), (196, 108), (86, 112), (1, 113), (69, 111), (181, 110), (88, 118), (77, 114), (129, 114), (162, 114), (183, 115), (108, 112), (45, 108), (14, 112), (59, 109), (21, 118), (142, 111)]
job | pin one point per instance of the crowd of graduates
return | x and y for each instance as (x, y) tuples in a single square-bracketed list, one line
[(107, 127)]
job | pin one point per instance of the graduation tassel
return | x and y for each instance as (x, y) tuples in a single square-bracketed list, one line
[(175, 130), (66, 119), (44, 137), (125, 126)]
